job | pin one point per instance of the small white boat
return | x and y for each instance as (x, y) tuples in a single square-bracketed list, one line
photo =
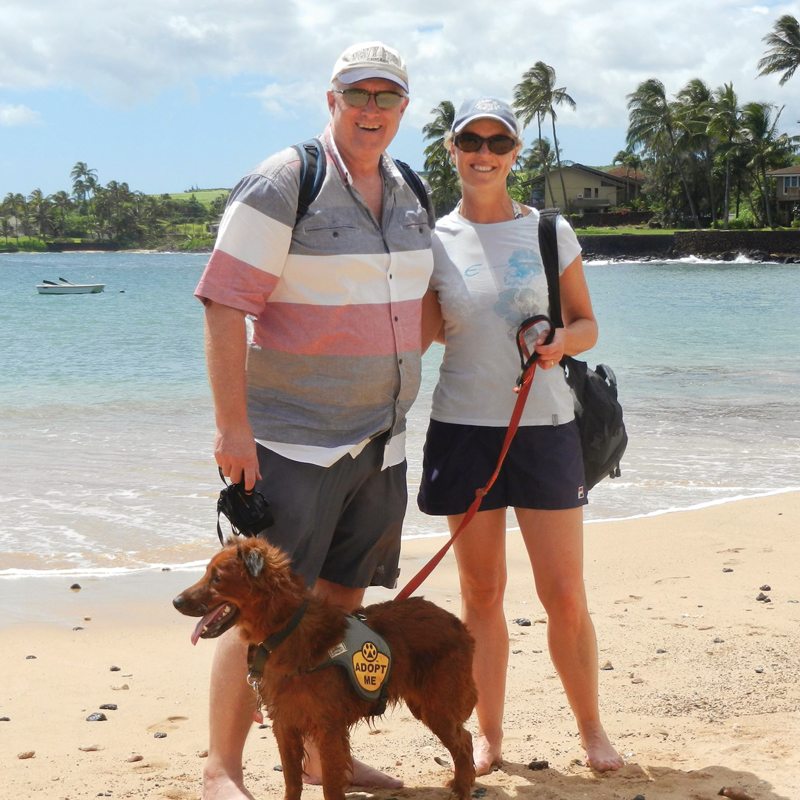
[(66, 287)]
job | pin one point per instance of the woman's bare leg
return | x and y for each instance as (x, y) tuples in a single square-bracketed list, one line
[(554, 540), (481, 555)]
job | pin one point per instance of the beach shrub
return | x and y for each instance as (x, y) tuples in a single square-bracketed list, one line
[(744, 221)]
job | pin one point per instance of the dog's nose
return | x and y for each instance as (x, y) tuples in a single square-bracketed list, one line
[(178, 602)]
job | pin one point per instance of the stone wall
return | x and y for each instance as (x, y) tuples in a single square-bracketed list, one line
[(66, 247), (726, 244), (723, 245), (628, 246)]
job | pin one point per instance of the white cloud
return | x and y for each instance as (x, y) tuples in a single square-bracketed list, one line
[(126, 53), (11, 116)]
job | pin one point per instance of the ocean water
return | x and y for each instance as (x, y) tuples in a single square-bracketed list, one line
[(106, 422)]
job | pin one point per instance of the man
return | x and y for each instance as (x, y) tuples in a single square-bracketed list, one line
[(312, 410)]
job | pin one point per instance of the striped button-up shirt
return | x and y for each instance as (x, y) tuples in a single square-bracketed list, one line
[(334, 356)]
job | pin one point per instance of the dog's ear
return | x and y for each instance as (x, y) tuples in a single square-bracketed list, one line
[(254, 562)]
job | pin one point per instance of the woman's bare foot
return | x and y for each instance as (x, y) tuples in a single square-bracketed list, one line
[(486, 755), (221, 786), (600, 753), (361, 775)]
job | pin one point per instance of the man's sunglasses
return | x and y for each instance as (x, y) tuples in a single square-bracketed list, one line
[(471, 143), (358, 98)]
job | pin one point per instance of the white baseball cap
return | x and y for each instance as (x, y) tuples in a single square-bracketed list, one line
[(486, 108), (371, 60)]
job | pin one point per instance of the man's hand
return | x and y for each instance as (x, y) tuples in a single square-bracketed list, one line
[(235, 453)]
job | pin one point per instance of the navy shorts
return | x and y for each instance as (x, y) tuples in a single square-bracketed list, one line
[(542, 470), (341, 523)]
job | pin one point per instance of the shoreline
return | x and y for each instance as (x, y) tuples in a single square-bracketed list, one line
[(701, 691), (759, 246), (11, 575)]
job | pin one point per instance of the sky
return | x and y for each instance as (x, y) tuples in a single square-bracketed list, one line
[(169, 95)]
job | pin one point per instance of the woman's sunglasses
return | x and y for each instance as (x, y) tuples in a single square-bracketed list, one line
[(471, 143), (358, 98)]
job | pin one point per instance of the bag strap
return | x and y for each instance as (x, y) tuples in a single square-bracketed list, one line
[(415, 182), (313, 165), (548, 245)]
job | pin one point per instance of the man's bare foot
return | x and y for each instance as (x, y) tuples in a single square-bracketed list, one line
[(600, 753), (361, 775), (220, 786), (486, 754)]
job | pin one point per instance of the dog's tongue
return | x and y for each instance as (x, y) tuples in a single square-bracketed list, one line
[(207, 620)]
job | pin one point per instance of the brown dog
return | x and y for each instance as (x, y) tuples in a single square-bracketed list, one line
[(249, 584)]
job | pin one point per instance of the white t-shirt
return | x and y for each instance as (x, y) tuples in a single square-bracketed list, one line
[(489, 279)]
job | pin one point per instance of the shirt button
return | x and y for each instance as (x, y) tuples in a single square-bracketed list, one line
[(396, 319), (390, 276), (400, 361)]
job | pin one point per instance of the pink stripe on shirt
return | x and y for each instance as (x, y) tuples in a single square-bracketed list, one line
[(231, 282), (353, 330)]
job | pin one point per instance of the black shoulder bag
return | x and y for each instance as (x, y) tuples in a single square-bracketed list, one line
[(597, 408)]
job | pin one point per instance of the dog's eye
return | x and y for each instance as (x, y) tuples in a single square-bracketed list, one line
[(216, 578)]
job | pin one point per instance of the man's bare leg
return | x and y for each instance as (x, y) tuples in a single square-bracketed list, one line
[(231, 708), (362, 774)]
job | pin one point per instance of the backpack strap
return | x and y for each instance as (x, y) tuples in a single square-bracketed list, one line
[(313, 165), (415, 182), (548, 245)]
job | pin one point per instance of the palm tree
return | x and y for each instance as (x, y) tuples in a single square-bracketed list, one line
[(766, 147), (64, 205), (724, 125), (442, 175), (537, 96), (652, 126), (783, 54), (629, 159), (534, 164), (694, 109), (84, 182), (16, 206), (6, 228)]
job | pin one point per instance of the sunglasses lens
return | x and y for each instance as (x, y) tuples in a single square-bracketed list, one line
[(469, 142), (500, 145), (356, 98), (387, 100)]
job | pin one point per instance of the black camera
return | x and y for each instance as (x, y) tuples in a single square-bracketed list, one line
[(247, 512)]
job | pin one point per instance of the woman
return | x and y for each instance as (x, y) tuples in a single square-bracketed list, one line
[(487, 278)]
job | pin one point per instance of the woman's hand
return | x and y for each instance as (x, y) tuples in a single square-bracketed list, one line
[(550, 354)]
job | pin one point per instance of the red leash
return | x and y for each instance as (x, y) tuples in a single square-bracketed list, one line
[(522, 388)]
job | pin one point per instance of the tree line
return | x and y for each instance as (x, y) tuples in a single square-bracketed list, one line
[(113, 213), (703, 153)]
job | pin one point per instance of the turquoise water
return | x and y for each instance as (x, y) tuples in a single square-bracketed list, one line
[(106, 423)]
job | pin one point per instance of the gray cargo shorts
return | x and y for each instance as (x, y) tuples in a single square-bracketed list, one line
[(341, 523)]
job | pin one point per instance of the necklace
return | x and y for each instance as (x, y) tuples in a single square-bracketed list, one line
[(515, 208)]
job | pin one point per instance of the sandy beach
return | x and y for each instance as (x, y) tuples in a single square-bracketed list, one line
[(700, 689)]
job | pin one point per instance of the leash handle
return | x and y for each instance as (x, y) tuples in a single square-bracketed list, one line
[(539, 324), (522, 388)]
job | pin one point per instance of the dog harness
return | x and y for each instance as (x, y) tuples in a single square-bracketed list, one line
[(363, 654), (365, 657)]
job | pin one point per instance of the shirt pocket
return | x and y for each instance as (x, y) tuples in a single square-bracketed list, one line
[(325, 238)]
